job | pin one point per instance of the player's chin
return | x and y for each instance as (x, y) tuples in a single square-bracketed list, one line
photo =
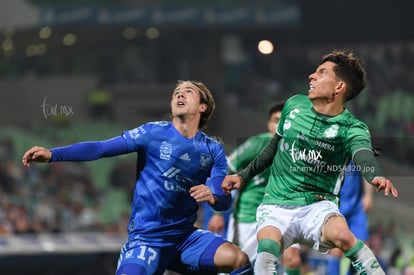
[(311, 95)]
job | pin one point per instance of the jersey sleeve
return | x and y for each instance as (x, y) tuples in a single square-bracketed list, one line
[(288, 110), (90, 150), (138, 137), (242, 155), (358, 138), (219, 168), (360, 148), (217, 174), (261, 161)]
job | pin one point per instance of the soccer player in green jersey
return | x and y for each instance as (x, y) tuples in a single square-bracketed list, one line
[(242, 222), (316, 138)]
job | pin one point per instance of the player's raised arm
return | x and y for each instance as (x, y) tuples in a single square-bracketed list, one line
[(256, 166), (371, 171)]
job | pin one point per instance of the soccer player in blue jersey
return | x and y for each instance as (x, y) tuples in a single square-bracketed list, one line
[(315, 140), (175, 159)]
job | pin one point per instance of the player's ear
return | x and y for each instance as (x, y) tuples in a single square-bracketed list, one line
[(203, 107), (340, 87)]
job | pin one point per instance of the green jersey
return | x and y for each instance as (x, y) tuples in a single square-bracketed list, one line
[(251, 195), (312, 153)]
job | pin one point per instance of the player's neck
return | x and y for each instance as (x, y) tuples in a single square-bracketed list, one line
[(333, 108), (186, 126)]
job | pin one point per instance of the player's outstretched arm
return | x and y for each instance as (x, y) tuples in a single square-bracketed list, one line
[(36, 154), (231, 182), (382, 183), (370, 169)]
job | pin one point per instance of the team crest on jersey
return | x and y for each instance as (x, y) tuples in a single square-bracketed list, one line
[(332, 131), (205, 161), (165, 150)]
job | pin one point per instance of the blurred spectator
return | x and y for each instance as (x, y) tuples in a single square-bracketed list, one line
[(100, 103)]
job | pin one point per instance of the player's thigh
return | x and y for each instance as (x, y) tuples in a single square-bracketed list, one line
[(144, 259), (131, 269), (273, 222), (199, 249), (321, 225)]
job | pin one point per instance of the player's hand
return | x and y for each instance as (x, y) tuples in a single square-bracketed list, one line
[(216, 224), (36, 154), (202, 193), (384, 184), (231, 182)]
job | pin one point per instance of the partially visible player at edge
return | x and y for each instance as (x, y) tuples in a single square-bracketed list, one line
[(316, 138), (242, 221), (175, 158)]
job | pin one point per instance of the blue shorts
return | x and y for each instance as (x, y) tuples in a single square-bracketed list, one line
[(358, 224), (193, 255)]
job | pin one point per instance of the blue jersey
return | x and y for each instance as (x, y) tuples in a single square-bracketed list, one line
[(168, 165)]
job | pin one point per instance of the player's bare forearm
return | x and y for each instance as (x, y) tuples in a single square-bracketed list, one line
[(382, 183), (367, 200), (231, 182), (36, 154)]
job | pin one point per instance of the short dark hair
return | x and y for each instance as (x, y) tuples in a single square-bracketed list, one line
[(277, 106), (349, 68)]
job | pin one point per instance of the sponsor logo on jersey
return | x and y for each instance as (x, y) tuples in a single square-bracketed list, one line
[(325, 145), (165, 150), (185, 156), (170, 173), (176, 182)]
